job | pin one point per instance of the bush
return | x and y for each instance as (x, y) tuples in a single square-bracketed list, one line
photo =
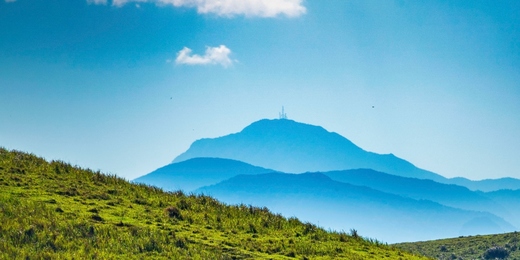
[(496, 252), (174, 212)]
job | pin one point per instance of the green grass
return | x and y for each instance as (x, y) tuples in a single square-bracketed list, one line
[(52, 210), (471, 247)]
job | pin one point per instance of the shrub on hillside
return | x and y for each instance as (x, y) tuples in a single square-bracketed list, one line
[(496, 252), (174, 212)]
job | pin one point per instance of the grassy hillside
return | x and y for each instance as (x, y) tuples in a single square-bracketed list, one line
[(472, 247), (52, 210)]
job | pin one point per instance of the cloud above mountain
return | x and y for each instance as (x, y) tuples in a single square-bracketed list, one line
[(213, 55), (97, 2), (229, 8)]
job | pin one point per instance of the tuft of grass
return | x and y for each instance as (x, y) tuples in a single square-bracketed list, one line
[(53, 210)]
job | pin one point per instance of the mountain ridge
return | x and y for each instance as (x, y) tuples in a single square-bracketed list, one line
[(447, 194), (293, 147), (316, 197), (289, 146), (194, 173), (487, 185)]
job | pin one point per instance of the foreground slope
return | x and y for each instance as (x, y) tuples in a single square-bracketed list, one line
[(52, 210), (317, 198), (497, 246)]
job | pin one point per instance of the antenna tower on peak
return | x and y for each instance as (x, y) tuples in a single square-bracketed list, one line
[(282, 115)]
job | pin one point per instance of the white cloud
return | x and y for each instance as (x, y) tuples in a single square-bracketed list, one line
[(97, 2), (123, 2), (261, 8), (10, 1), (213, 55)]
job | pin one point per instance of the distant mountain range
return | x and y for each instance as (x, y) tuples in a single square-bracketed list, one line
[(447, 194), (343, 185), (488, 184), (510, 199), (288, 146), (316, 198)]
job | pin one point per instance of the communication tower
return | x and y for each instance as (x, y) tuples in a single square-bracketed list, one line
[(282, 115)]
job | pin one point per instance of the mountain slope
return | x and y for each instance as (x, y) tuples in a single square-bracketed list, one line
[(197, 172), (52, 210), (509, 199), (288, 146), (315, 197), (472, 247), (488, 184), (446, 194)]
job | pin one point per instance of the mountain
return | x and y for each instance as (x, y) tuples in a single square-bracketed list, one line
[(52, 210), (446, 194), (288, 146), (317, 198), (197, 172), (509, 199), (487, 184)]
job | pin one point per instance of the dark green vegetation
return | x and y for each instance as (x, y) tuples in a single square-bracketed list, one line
[(52, 210), (502, 246)]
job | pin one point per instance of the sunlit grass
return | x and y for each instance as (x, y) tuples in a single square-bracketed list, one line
[(52, 210), (470, 247)]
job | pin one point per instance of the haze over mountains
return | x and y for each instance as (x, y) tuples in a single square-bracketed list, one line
[(194, 173), (316, 198), (381, 195), (288, 146), (447, 194)]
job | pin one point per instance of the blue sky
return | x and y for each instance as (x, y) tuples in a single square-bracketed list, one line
[(125, 86)]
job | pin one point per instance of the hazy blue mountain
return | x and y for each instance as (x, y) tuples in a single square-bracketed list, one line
[(510, 199), (317, 198), (488, 184), (288, 146), (446, 194), (197, 172)]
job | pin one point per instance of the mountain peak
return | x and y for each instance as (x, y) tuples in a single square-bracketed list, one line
[(289, 146), (282, 122), (286, 128)]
